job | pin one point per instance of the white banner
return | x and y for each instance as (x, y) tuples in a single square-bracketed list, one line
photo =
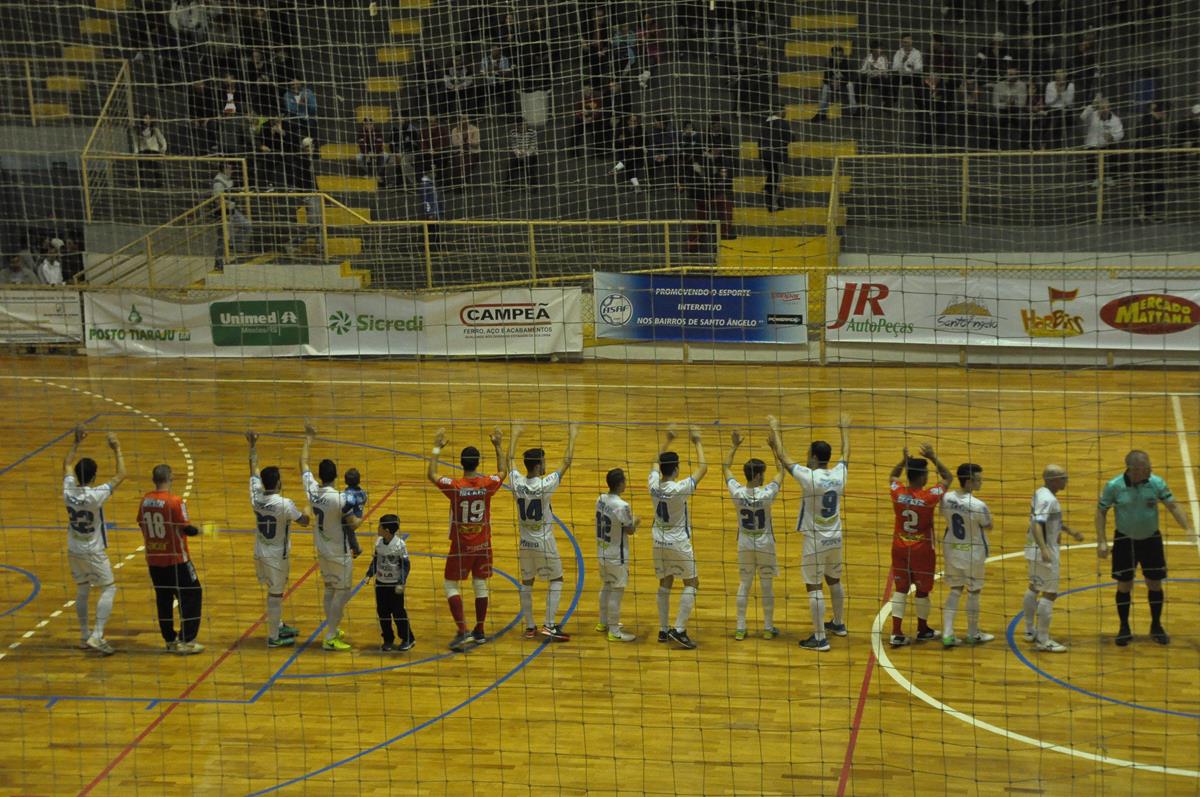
[(517, 322), (49, 315), (972, 310)]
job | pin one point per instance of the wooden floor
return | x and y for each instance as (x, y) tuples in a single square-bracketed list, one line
[(519, 717)]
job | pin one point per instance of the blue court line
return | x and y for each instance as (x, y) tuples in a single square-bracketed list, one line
[(44, 446), (1012, 643), (37, 587), (433, 720)]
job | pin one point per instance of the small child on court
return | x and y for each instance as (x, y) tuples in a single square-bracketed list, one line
[(356, 501), (390, 568)]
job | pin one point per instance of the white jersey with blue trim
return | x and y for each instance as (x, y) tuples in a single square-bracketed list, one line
[(821, 505), (273, 516), (672, 524), (967, 523), (328, 505), (85, 516), (535, 518)]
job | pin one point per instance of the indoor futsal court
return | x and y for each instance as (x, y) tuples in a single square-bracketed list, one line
[(586, 716)]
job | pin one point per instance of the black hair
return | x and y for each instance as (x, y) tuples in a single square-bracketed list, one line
[(668, 463), (916, 468), (353, 477), (968, 471), (469, 459), (822, 451), (390, 522), (754, 468), (85, 470), (270, 477), (614, 478), (533, 457), (161, 474), (327, 470)]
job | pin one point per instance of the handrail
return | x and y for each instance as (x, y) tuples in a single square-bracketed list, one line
[(122, 73), (119, 257), (1021, 153)]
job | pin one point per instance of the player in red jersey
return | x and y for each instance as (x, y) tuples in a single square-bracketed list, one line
[(165, 526), (470, 532), (914, 559)]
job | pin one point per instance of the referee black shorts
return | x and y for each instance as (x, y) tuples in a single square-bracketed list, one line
[(1128, 554)]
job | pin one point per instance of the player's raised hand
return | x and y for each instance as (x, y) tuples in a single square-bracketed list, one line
[(309, 430), (844, 421), (573, 429), (113, 442), (80, 434), (906, 455), (735, 439), (439, 439), (773, 422), (671, 433), (251, 437), (927, 450), (694, 434), (772, 440), (496, 437)]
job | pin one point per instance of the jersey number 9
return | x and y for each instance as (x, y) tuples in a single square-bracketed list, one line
[(829, 504)]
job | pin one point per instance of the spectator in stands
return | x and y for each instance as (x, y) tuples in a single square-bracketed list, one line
[(624, 48), (632, 152), (773, 151), (201, 128), (151, 145), (660, 157), (260, 79), (496, 74), (301, 104), (709, 189), (1104, 129), (1085, 67), (1010, 103), (189, 20), (838, 82), (457, 83), (992, 62), (523, 154), (465, 141), (237, 227), (587, 116), (270, 147), (18, 273), (650, 38), (435, 140), (259, 30), (406, 144), (942, 61), (595, 47), (1154, 132), (720, 142), (431, 205), (757, 77), (1058, 109), (233, 116), (941, 98), (907, 67), (372, 158), (687, 154), (50, 268), (875, 74)]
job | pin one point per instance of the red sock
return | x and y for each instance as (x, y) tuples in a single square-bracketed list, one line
[(456, 609), (922, 624), (897, 626), (481, 605)]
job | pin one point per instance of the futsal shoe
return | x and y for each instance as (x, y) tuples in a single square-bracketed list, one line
[(407, 646), (335, 644), (1030, 635), (1159, 635), (530, 633), (287, 630), (83, 645), (739, 634), (462, 641), (387, 646), (770, 633), (664, 636), (478, 637), (681, 638), (812, 643), (619, 634), (170, 645), (555, 633), (340, 634), (1050, 646), (950, 642), (192, 648), (899, 640), (601, 627), (100, 645), (926, 634), (281, 642), (979, 638), (1124, 637), (836, 628)]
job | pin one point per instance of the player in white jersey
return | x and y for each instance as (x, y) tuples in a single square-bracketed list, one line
[(615, 522), (820, 526), (672, 531), (1041, 551), (87, 538), (965, 553), (538, 553), (756, 536), (334, 538), (273, 516)]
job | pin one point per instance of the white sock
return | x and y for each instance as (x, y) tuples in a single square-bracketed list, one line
[(837, 601), (327, 601), (553, 595), (1044, 608), (614, 607), (104, 608), (274, 615), (337, 603), (743, 598), (1030, 607), (924, 605), (664, 606), (898, 601), (687, 602), (768, 597), (948, 612), (605, 592), (973, 600), (82, 591), (526, 593), (816, 604)]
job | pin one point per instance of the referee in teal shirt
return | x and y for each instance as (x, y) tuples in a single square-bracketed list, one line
[(1137, 541)]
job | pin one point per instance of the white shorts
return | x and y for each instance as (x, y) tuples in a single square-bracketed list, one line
[(92, 569), (964, 573), (821, 558), (274, 573), (674, 560), (757, 560), (614, 574), (337, 573), (1043, 576), (539, 560)]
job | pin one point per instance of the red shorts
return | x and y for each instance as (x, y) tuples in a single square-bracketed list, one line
[(469, 560), (914, 564)]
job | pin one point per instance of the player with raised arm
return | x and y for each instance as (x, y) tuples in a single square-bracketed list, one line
[(470, 498), (965, 552), (87, 538), (820, 525), (914, 559), (273, 517), (615, 522), (538, 553), (1042, 552), (334, 539), (756, 535), (672, 532)]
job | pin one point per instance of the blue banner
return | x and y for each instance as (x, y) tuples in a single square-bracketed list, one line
[(664, 307)]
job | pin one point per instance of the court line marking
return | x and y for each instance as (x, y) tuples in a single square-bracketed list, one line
[(543, 385), (579, 578), (908, 686), (1189, 477), (1012, 643), (863, 692), (41, 448), (37, 587)]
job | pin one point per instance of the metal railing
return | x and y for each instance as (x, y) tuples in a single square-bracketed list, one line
[(44, 90)]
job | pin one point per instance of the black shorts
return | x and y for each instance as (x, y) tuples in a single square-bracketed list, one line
[(1128, 554)]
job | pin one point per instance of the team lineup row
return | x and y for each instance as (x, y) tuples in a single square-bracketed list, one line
[(162, 517)]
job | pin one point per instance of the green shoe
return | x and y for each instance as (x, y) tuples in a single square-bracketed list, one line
[(340, 634), (950, 641), (335, 644), (739, 634), (770, 633), (601, 627), (281, 642), (287, 630)]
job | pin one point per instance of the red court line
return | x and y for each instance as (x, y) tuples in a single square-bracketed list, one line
[(864, 690), (149, 729)]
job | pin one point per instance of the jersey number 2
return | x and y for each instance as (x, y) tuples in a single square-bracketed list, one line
[(912, 521)]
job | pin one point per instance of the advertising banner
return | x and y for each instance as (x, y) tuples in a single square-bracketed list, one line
[(40, 316), (1006, 311), (666, 308)]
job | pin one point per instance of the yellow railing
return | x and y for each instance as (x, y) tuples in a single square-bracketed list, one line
[(41, 90)]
